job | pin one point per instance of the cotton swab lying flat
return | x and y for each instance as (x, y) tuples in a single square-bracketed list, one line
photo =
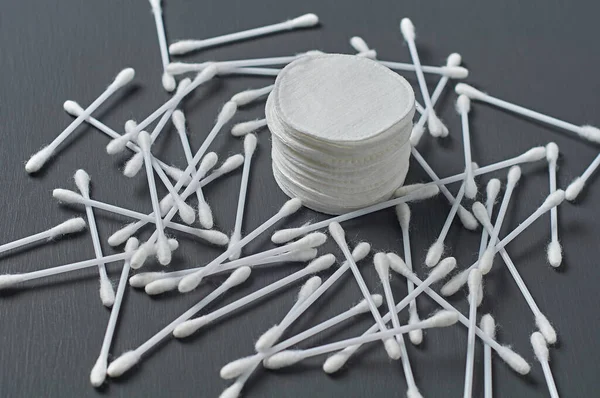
[(68, 227), (554, 248), (492, 191), (542, 354), (463, 106), (248, 96), (435, 125), (575, 187), (513, 359), (382, 266), (168, 81), (190, 327), (248, 127), (474, 289), (37, 161), (454, 284), (249, 148), (540, 319), (98, 373), (287, 358), (185, 46), (204, 211), (285, 235), (107, 294), (403, 215), (130, 358), (488, 325)]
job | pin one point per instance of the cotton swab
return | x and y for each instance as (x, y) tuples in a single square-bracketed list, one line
[(188, 328), (454, 284), (272, 335), (542, 354), (514, 360), (211, 236), (466, 218), (285, 235), (130, 358), (575, 187), (98, 373), (205, 215), (107, 294), (185, 46), (248, 96), (37, 161), (540, 319), (68, 227), (382, 266), (492, 191), (248, 127), (554, 248), (488, 325), (590, 133), (435, 125), (168, 81), (474, 289), (287, 358), (249, 148), (463, 106), (403, 215)]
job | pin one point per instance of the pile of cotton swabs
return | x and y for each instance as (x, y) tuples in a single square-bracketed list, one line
[(272, 350)]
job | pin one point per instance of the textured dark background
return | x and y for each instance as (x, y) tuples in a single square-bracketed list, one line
[(537, 53)]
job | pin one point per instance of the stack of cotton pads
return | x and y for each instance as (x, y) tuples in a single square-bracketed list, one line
[(340, 127)]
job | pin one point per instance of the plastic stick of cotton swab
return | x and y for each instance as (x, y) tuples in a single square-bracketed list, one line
[(542, 354), (590, 133), (575, 187), (130, 358), (168, 81), (403, 215), (190, 327), (488, 325), (273, 72), (38, 159), (554, 248), (190, 282), (435, 125), (474, 290), (338, 234), (185, 46), (248, 127), (68, 227), (98, 373), (107, 294), (463, 106), (492, 191), (285, 235), (249, 148), (513, 359)]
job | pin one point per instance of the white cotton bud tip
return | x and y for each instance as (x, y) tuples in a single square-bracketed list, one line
[(124, 77), (337, 233), (590, 132), (470, 188), (398, 264), (120, 236), (552, 152), (574, 189), (123, 363), (308, 288), (238, 277), (546, 328), (403, 215), (186, 212), (413, 392), (107, 293), (454, 59), (244, 128), (415, 336), (488, 325), (392, 348), (539, 347), (166, 204), (245, 97), (176, 174), (406, 189), (205, 215), (469, 91), (163, 251), (553, 200), (161, 286), (82, 181), (487, 261), (359, 44), (231, 163), (144, 141), (443, 269), (382, 266), (236, 368), (233, 391), (249, 145), (68, 227), (434, 254), (455, 72), (493, 189), (314, 239), (320, 264), (454, 284), (435, 125), (144, 278), (173, 244), (555, 253), (283, 359), (38, 159), (305, 21), (189, 282), (371, 54), (178, 119), (130, 126), (217, 238), (8, 281), (408, 29), (467, 219), (286, 235), (442, 318), (98, 373), (514, 360), (290, 207), (416, 134), (64, 195), (139, 257), (73, 108), (188, 328), (168, 82), (133, 165), (363, 306), (480, 213), (268, 338), (514, 175), (132, 245), (474, 283), (118, 144), (336, 361), (361, 251), (463, 104), (301, 255), (229, 109)]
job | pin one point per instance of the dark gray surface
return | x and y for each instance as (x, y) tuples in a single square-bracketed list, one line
[(536, 53)]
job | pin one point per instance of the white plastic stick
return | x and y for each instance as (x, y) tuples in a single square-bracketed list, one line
[(575, 187), (492, 190), (185, 46), (68, 227), (177, 68), (554, 251), (38, 159), (474, 289), (488, 325), (543, 355), (249, 71), (168, 81), (463, 106)]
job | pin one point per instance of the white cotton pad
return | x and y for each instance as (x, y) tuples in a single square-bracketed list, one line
[(341, 126)]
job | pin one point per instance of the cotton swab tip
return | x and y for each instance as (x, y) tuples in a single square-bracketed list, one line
[(305, 21), (163, 251), (161, 286), (227, 112), (308, 288), (487, 261), (68, 227), (248, 127), (540, 348), (454, 59), (514, 360), (302, 255), (553, 200), (314, 239), (552, 152), (382, 266), (249, 145), (337, 233), (363, 306), (123, 363), (233, 391), (488, 325), (467, 219), (415, 336), (545, 328), (455, 283), (124, 77), (290, 207), (554, 253), (408, 29), (66, 196), (82, 181), (122, 234), (469, 91), (283, 359), (455, 72), (320, 264), (178, 119), (493, 189), (107, 293), (403, 215), (235, 368), (7, 281), (574, 189), (392, 348), (361, 251), (144, 141), (286, 235), (144, 278), (416, 134), (139, 257), (434, 253), (514, 175), (590, 132), (72, 108), (359, 44), (398, 264), (168, 81), (443, 269), (38, 159), (268, 338), (98, 373), (463, 104), (413, 392), (188, 328), (134, 165), (442, 318), (238, 277), (336, 361), (435, 125)]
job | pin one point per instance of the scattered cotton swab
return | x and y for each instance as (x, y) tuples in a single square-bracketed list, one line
[(590, 133), (575, 187), (177, 68), (185, 46), (474, 289), (107, 294), (130, 358), (38, 160), (248, 96), (249, 148), (463, 106), (168, 81), (554, 248), (488, 325), (98, 373), (68, 227), (542, 354), (248, 127)]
